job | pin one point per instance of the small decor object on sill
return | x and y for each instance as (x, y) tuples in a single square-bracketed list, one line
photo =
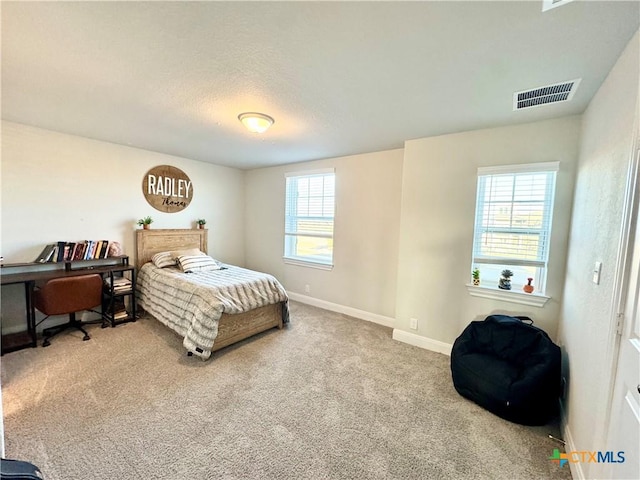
[(201, 222), (476, 276), (505, 280), (528, 288), (145, 222)]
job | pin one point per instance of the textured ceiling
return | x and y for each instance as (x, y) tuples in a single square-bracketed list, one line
[(339, 78)]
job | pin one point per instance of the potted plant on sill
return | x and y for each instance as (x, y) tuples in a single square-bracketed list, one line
[(475, 274), (505, 280), (145, 222), (201, 222)]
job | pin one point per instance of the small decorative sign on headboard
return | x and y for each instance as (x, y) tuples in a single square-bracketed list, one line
[(167, 189)]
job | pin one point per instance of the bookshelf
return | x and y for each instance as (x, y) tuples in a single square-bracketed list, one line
[(118, 295)]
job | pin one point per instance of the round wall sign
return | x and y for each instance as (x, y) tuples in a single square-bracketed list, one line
[(167, 188)]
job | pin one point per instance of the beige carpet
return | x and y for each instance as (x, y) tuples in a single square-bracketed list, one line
[(329, 397)]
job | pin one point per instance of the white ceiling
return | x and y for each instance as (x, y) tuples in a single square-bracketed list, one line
[(339, 78)]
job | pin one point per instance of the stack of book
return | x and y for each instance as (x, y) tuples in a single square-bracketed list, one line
[(119, 311), (120, 284), (120, 314), (74, 251)]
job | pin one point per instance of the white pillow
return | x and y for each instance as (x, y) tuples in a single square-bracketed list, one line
[(164, 259), (197, 263), (189, 251)]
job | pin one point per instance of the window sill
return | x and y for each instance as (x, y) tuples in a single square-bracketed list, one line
[(307, 263), (532, 299)]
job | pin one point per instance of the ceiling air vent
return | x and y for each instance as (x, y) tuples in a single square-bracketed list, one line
[(560, 92), (549, 4)]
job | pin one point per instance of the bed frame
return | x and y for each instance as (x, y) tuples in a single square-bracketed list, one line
[(232, 328)]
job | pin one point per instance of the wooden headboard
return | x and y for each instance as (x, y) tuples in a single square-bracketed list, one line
[(149, 242)]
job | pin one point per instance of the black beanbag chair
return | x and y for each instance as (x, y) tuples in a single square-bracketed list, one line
[(509, 367)]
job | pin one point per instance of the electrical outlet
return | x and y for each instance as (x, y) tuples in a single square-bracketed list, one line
[(413, 323), (307, 288)]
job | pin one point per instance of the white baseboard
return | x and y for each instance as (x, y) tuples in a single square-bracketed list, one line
[(13, 329), (55, 320), (570, 446), (399, 335), (334, 307), (422, 342)]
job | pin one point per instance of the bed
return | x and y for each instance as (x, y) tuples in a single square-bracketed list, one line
[(210, 310)]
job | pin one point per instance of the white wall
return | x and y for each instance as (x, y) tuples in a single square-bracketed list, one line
[(437, 218), (365, 233), (586, 314), (63, 187)]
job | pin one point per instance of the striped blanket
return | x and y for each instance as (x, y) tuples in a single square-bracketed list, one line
[(192, 303)]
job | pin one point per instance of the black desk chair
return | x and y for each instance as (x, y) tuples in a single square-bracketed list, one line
[(68, 295)]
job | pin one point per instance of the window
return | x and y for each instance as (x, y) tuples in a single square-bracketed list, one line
[(309, 210), (514, 206)]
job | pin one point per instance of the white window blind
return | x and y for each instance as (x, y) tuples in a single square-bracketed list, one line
[(309, 216), (514, 209)]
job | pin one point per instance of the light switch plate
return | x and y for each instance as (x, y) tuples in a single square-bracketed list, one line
[(596, 273)]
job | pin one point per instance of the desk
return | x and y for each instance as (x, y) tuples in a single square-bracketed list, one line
[(29, 274)]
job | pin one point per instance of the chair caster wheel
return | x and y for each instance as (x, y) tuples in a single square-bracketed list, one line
[(85, 338), (46, 343)]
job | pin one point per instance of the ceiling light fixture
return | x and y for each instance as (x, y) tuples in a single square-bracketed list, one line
[(256, 122)]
